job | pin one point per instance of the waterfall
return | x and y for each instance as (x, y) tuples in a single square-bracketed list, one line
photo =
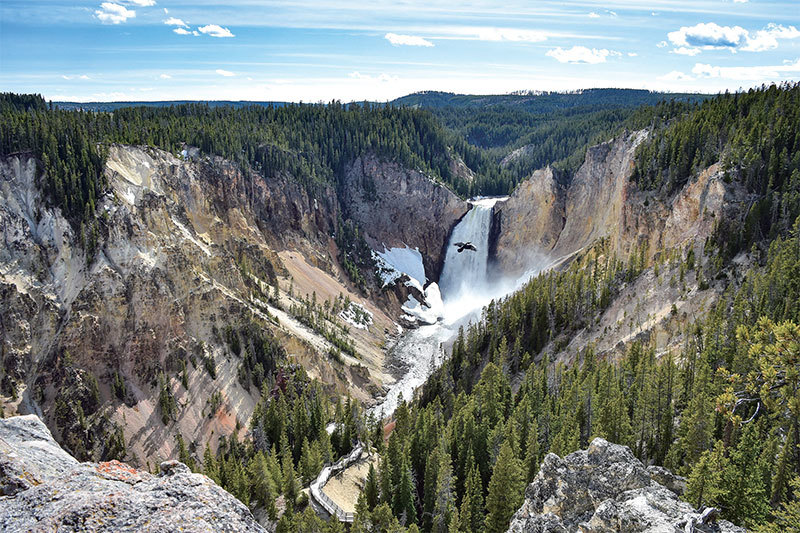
[(465, 290), (465, 272)]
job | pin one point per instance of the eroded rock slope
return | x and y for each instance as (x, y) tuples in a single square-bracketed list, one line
[(190, 248)]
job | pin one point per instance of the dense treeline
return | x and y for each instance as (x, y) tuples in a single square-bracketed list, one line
[(505, 144), (756, 137), (65, 145), (288, 444), (545, 102), (312, 143)]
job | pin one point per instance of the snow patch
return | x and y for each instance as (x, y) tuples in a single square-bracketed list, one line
[(129, 196), (357, 316), (394, 262)]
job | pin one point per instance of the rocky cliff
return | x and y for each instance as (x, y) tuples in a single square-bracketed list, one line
[(398, 207), (604, 489), (551, 218), (529, 223), (42, 488), (188, 248)]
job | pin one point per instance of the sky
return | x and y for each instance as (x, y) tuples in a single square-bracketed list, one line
[(319, 50)]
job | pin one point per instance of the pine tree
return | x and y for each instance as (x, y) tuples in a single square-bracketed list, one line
[(371, 489), (403, 506), (444, 499), (704, 486), (210, 464), (782, 472), (532, 452), (787, 519), (429, 498), (263, 486), (473, 490), (745, 496), (290, 488), (505, 491), (455, 522)]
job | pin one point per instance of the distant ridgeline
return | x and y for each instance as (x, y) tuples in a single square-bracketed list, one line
[(549, 128)]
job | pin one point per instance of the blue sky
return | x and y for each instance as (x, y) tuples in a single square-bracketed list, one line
[(317, 50)]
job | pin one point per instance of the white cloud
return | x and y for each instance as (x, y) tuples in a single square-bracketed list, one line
[(111, 13), (662, 44), (166, 11), (611, 13), (142, 3), (739, 1), (406, 40), (172, 21), (683, 51), (712, 36), (756, 73), (581, 54), (215, 31), (75, 77), (767, 39), (675, 75), (181, 31), (165, 77), (594, 15), (226, 73), (632, 54)]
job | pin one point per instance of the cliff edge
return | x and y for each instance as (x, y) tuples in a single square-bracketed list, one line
[(42, 488), (605, 488)]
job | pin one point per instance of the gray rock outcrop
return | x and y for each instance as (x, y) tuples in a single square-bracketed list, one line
[(604, 489), (45, 489)]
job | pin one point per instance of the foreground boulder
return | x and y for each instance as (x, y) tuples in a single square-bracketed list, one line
[(604, 489), (44, 489)]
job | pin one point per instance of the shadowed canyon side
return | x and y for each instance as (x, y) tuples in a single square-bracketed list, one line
[(399, 207)]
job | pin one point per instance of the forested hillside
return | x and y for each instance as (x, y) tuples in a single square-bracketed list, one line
[(724, 411), (526, 131), (545, 102), (310, 143)]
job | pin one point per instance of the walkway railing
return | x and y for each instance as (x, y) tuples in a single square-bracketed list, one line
[(327, 471)]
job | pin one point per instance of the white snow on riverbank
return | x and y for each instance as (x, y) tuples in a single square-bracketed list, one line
[(394, 262)]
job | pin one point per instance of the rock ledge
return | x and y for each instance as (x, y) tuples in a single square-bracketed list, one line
[(42, 488), (605, 488)]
